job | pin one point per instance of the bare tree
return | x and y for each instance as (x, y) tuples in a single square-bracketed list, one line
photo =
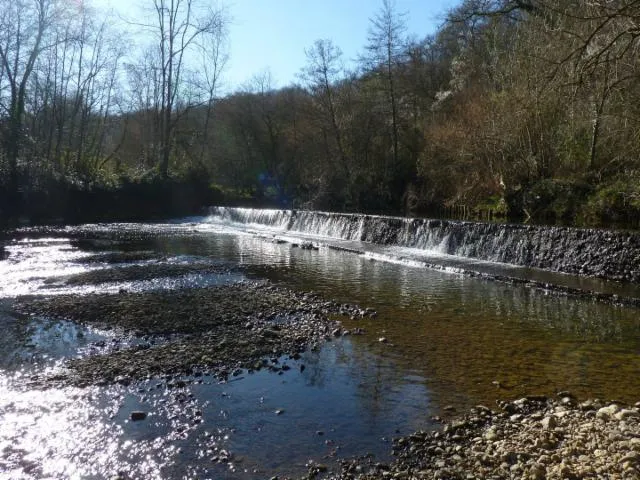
[(177, 25), (385, 52), (597, 46), (324, 70), (214, 54), (261, 85), (24, 25)]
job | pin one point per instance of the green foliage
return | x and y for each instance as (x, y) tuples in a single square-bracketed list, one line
[(617, 202), (494, 207), (553, 200)]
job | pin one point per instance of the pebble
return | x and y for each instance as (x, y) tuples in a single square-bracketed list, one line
[(632, 457), (137, 415), (625, 414), (281, 321), (605, 413), (491, 435), (549, 423), (537, 443)]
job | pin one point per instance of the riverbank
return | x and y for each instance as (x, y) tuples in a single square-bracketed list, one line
[(533, 438)]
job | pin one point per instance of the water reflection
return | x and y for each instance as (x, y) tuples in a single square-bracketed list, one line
[(45, 265), (473, 340), (341, 404), (344, 402), (69, 433), (31, 261)]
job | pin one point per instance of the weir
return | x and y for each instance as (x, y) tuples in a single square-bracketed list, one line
[(606, 254)]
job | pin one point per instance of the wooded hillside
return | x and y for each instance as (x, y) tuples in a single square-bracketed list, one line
[(513, 108)]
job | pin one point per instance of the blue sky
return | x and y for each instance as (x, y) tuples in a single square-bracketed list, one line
[(272, 34)]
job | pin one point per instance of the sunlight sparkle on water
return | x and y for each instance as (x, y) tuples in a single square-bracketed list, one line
[(69, 433), (32, 261)]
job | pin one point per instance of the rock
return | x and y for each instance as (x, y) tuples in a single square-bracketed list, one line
[(606, 413), (567, 472), (631, 457), (122, 380), (308, 246), (137, 415), (510, 458), (270, 333), (625, 414), (549, 423), (537, 472), (545, 442), (491, 434), (587, 405), (567, 401)]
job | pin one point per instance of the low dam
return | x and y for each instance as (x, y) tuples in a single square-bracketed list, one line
[(610, 255)]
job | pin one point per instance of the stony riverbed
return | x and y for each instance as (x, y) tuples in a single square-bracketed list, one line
[(533, 438), (225, 330), (215, 330)]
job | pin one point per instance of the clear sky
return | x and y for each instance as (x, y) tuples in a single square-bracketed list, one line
[(272, 34)]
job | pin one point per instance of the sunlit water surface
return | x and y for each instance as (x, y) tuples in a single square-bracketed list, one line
[(451, 341)]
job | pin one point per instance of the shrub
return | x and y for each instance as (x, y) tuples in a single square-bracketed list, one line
[(615, 203)]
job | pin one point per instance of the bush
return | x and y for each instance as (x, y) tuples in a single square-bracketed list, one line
[(550, 200), (614, 203)]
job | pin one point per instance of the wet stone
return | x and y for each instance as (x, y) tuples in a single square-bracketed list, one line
[(137, 415)]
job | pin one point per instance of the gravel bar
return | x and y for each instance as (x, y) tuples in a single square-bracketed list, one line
[(214, 330)]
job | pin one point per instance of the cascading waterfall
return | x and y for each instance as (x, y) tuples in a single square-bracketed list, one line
[(270, 218), (607, 254)]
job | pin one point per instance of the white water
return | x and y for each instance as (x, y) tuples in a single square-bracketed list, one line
[(482, 241), (545, 255)]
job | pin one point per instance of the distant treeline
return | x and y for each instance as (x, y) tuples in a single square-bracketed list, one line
[(520, 109)]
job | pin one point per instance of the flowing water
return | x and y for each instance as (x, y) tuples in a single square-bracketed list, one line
[(450, 341)]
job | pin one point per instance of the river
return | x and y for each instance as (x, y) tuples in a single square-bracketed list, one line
[(441, 342)]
